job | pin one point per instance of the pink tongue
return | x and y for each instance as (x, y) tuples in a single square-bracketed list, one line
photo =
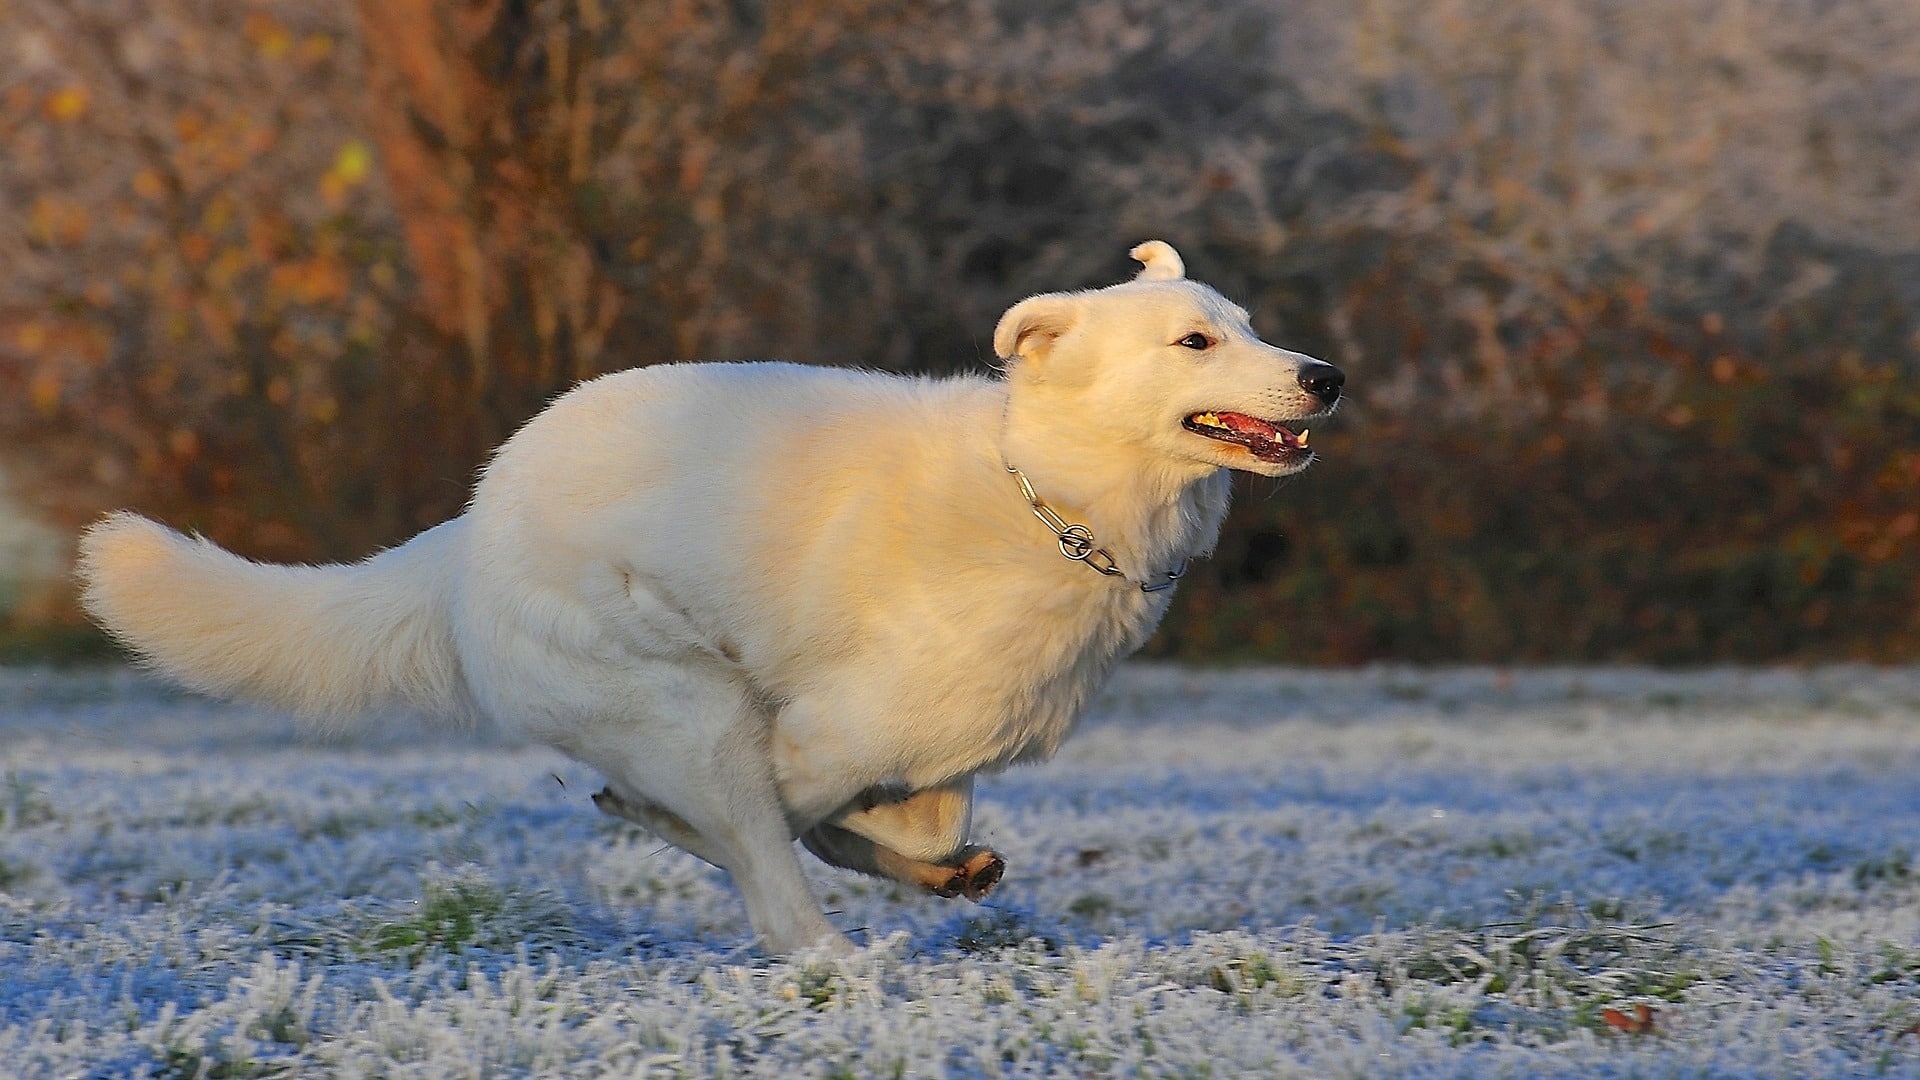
[(1247, 424)]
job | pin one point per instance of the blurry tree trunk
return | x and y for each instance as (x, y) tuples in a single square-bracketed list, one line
[(484, 120)]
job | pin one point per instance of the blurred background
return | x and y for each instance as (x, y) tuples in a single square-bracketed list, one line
[(1628, 291)]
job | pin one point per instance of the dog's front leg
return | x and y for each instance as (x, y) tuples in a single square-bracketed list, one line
[(916, 839)]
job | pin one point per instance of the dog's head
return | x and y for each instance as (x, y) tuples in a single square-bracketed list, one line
[(1170, 366)]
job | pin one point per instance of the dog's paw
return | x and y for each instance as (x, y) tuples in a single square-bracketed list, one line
[(980, 869), (983, 871), (610, 804)]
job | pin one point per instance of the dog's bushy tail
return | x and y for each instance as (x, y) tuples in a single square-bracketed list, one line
[(328, 642)]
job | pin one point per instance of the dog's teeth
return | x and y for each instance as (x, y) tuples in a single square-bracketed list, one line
[(1302, 437)]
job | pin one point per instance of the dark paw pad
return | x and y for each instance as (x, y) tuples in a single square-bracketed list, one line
[(980, 869)]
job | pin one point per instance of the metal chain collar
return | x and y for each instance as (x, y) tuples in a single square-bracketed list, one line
[(1076, 541)]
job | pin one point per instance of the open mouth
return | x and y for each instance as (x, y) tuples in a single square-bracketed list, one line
[(1266, 440)]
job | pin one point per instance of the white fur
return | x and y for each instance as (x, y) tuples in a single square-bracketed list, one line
[(751, 593)]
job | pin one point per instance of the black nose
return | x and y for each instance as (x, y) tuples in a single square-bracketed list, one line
[(1322, 381)]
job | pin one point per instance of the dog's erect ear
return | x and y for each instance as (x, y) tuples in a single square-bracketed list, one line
[(1030, 327), (1158, 262)]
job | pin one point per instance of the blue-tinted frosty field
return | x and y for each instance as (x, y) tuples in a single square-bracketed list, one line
[(1252, 873)]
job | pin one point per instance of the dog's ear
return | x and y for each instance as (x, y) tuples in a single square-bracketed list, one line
[(1158, 262), (1030, 327)]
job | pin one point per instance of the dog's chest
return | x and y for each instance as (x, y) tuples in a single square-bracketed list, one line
[(1013, 694)]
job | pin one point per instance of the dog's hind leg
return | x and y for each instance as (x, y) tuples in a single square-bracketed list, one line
[(694, 767), (916, 839), (655, 819)]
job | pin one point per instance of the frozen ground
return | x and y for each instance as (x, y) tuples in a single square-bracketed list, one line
[(1225, 874)]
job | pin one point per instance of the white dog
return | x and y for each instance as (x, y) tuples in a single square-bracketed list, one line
[(770, 600)]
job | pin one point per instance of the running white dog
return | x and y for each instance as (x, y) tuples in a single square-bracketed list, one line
[(769, 600)]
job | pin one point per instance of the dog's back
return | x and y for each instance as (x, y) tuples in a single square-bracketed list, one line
[(632, 514)]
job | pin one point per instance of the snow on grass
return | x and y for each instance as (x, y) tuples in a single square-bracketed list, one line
[(1272, 873)]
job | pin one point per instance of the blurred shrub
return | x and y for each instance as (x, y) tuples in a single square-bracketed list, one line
[(200, 273), (1627, 291)]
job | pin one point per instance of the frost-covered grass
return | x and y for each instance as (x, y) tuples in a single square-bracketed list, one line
[(1254, 873)]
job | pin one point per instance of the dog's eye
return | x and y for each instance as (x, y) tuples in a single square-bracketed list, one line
[(1196, 341)]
